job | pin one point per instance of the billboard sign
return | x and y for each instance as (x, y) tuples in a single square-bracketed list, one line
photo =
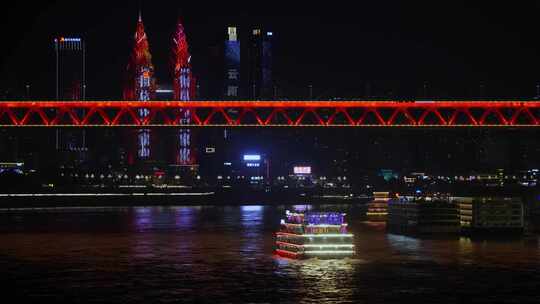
[(252, 157), (302, 170)]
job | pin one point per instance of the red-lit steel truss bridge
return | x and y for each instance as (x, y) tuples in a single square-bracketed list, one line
[(271, 114)]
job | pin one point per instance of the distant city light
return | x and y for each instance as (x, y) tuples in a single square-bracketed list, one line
[(64, 39), (8, 164)]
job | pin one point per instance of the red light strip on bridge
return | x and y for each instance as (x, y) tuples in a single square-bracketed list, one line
[(271, 114)]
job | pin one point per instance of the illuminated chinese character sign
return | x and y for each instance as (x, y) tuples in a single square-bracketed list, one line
[(302, 170)]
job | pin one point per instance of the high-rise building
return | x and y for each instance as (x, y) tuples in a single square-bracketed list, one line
[(140, 86), (70, 68), (70, 55), (233, 90), (232, 64), (260, 64), (184, 90), (266, 69)]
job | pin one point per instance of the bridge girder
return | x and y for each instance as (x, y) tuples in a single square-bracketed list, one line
[(271, 114)]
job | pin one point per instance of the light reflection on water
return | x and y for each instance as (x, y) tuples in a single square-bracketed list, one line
[(143, 218), (251, 234), (403, 243), (185, 217), (225, 254), (326, 280)]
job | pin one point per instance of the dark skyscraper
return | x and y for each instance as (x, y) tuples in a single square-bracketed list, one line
[(266, 65), (70, 85), (260, 64), (70, 68)]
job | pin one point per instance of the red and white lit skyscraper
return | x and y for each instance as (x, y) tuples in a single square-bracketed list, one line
[(140, 86), (184, 90)]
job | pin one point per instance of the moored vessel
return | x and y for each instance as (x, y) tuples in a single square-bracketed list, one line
[(491, 215), (423, 215), (377, 210)]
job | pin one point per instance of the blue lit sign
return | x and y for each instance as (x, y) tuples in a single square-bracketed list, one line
[(252, 157)]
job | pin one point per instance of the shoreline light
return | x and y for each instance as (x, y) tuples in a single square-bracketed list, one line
[(316, 235)]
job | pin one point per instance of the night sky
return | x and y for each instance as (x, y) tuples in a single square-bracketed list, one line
[(339, 48)]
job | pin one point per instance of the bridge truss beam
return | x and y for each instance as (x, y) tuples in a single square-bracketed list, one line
[(271, 114)]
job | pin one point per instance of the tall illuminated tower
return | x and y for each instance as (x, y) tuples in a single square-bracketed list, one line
[(184, 90), (232, 64), (140, 86)]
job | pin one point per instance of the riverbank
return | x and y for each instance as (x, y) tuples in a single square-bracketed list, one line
[(193, 197)]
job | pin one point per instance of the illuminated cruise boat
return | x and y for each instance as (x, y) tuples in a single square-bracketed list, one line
[(314, 235)]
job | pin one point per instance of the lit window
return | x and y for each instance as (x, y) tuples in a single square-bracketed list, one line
[(232, 34)]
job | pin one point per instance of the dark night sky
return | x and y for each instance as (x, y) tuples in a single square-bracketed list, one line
[(394, 45)]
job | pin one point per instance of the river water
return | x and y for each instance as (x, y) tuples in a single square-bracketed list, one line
[(225, 255)]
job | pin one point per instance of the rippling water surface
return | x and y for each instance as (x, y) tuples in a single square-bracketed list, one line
[(225, 254)]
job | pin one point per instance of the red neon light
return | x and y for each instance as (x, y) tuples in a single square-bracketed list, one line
[(140, 64), (287, 253), (270, 113)]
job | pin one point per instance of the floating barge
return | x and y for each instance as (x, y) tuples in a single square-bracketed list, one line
[(425, 215), (314, 235), (491, 214)]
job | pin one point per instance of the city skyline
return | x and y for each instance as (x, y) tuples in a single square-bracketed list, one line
[(460, 51), (190, 151)]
